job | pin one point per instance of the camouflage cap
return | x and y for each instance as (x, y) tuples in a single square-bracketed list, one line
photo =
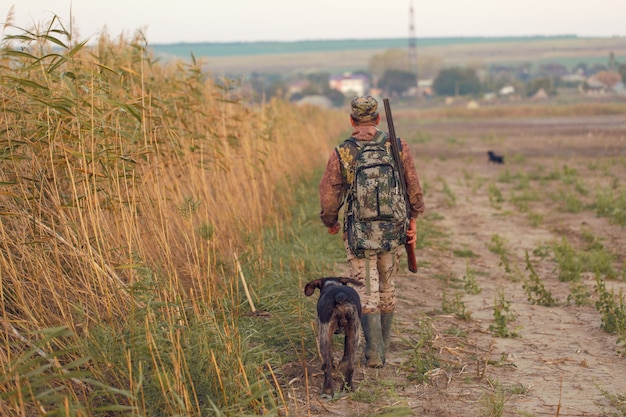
[(364, 109)]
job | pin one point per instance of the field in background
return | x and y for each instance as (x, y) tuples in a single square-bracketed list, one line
[(353, 55)]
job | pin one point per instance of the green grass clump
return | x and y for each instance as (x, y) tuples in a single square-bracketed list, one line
[(40, 380), (428, 232), (493, 402), (503, 315), (570, 202), (497, 245), (422, 357), (611, 203), (617, 402), (495, 196), (593, 258), (470, 283), (448, 193), (612, 307), (568, 260), (579, 294), (455, 306), (464, 253), (536, 292)]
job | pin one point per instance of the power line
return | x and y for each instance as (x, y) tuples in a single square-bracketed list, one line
[(412, 41)]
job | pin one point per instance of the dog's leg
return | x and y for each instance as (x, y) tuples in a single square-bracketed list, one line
[(325, 335), (351, 343)]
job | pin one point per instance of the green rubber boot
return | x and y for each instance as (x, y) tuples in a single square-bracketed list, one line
[(386, 319), (374, 356)]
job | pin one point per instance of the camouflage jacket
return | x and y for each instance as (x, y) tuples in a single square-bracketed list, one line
[(333, 186)]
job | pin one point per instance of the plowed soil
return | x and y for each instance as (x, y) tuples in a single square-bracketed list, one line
[(558, 360)]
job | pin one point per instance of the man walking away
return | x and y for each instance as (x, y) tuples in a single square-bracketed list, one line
[(360, 174)]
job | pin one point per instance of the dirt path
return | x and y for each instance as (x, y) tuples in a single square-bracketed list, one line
[(560, 360)]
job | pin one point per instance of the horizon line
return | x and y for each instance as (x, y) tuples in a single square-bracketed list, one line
[(562, 36)]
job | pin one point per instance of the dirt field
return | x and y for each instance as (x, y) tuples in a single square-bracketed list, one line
[(560, 359)]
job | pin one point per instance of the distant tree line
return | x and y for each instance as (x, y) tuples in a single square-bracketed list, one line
[(391, 72)]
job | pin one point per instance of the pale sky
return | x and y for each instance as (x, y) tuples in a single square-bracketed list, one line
[(171, 21)]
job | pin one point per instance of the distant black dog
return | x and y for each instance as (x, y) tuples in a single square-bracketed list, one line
[(338, 308), (496, 159)]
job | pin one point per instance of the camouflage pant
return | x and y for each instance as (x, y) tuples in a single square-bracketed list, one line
[(378, 295)]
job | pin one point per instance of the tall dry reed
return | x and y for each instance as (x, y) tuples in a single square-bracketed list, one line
[(126, 181)]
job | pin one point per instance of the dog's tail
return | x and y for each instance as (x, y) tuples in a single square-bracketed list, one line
[(340, 297)]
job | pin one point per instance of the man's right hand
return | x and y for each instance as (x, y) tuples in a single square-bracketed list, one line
[(411, 233), (334, 229)]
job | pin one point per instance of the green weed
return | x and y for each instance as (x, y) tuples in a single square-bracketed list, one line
[(456, 306), (470, 284), (503, 315), (611, 203), (449, 194), (497, 246), (464, 253), (421, 137), (579, 294), (493, 402), (594, 258), (429, 234), (569, 174), (617, 403), (522, 199), (551, 176), (535, 219), (536, 292), (542, 251), (613, 311), (568, 260), (422, 357), (570, 202), (495, 196)]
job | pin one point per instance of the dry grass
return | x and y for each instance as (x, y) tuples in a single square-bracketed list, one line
[(126, 183)]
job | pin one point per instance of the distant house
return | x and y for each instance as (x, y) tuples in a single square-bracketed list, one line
[(540, 94), (507, 90), (574, 78), (350, 84), (425, 87), (594, 86), (297, 87)]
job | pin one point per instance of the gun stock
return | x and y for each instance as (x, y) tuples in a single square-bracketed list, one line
[(410, 249), (410, 255)]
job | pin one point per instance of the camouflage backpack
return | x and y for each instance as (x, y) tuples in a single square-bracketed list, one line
[(376, 214)]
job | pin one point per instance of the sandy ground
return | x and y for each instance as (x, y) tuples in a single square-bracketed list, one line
[(561, 359)]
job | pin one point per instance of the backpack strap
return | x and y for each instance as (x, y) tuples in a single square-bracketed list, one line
[(347, 152), (380, 137)]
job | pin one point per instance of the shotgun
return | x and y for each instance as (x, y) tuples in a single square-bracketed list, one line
[(395, 150)]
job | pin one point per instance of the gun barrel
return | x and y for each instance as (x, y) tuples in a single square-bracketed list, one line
[(410, 250)]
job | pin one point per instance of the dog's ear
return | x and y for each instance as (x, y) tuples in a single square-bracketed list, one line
[(346, 281), (309, 288)]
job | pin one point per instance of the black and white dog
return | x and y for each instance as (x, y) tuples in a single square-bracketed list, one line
[(338, 308)]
